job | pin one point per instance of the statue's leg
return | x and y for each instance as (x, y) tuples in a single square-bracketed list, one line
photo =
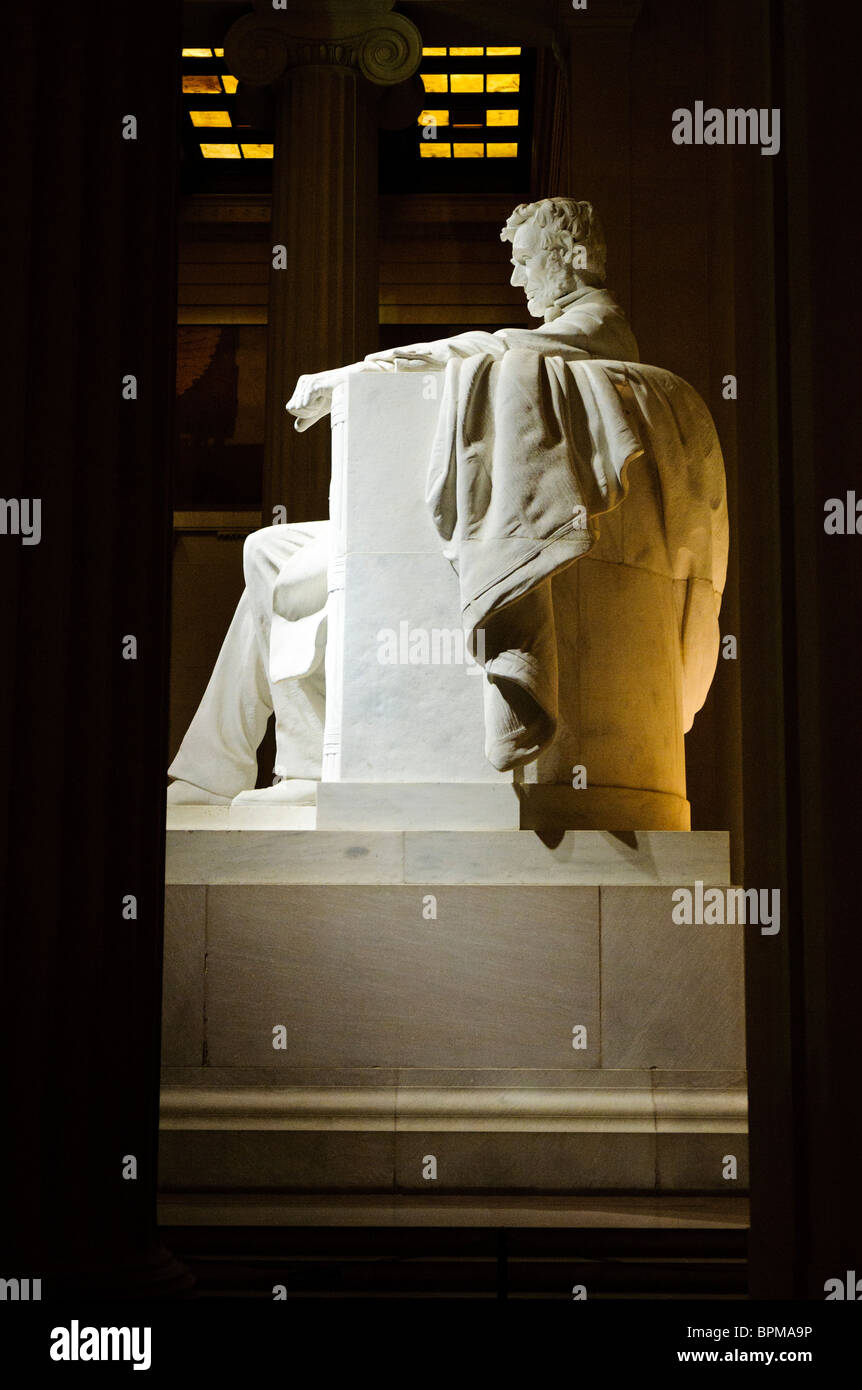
[(293, 631), (218, 756), (219, 751)]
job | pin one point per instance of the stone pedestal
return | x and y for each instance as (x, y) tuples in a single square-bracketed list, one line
[(339, 1008)]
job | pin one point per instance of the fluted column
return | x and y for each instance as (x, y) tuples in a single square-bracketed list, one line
[(89, 432), (324, 61)]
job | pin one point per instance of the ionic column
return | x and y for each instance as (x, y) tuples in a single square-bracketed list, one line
[(324, 61)]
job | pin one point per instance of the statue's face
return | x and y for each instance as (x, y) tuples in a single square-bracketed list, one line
[(544, 274)]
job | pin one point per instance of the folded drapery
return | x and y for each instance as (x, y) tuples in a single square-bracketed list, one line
[(530, 450)]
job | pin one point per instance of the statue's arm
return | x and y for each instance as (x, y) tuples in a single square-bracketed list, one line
[(435, 355), (577, 339), (312, 397)]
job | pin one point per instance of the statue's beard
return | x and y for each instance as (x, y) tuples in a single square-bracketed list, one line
[(547, 294)]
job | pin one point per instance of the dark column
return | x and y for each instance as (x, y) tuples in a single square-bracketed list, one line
[(325, 61), (819, 313), (83, 731), (795, 257)]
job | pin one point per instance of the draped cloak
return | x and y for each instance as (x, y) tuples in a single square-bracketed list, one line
[(530, 450)]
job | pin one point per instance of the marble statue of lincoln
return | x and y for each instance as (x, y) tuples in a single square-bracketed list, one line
[(272, 658)]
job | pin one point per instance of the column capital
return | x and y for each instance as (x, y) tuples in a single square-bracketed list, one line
[(362, 34)]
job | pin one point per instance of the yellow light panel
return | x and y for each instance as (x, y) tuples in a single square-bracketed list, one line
[(210, 117), (504, 82), (501, 118), (497, 52), (466, 52), (435, 82), (201, 83), (506, 151), (470, 82), (220, 152), (197, 53), (433, 53), (219, 52), (257, 151), (469, 151), (427, 117), (435, 149), (230, 83)]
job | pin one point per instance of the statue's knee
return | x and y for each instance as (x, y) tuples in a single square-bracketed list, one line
[(253, 554), (265, 551)]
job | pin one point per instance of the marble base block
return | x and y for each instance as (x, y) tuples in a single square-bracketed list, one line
[(482, 806), (216, 851), (495, 1133), (529, 1015)]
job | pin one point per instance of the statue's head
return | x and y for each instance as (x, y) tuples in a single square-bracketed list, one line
[(557, 247)]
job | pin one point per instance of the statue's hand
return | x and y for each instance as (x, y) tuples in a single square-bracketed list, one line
[(418, 353), (312, 398)]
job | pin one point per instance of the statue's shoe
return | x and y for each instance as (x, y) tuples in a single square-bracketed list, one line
[(186, 794), (288, 791)]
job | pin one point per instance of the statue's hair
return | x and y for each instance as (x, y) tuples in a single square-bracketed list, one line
[(567, 223)]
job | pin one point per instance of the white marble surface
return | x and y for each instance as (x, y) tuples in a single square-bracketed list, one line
[(225, 855), (405, 722), (672, 996), (417, 806), (247, 816), (396, 721), (578, 856), (487, 806), (222, 854), (362, 976)]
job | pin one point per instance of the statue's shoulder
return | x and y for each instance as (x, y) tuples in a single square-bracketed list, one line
[(596, 303), (604, 299), (596, 318)]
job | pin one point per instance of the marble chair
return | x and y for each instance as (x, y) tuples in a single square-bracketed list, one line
[(404, 736)]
